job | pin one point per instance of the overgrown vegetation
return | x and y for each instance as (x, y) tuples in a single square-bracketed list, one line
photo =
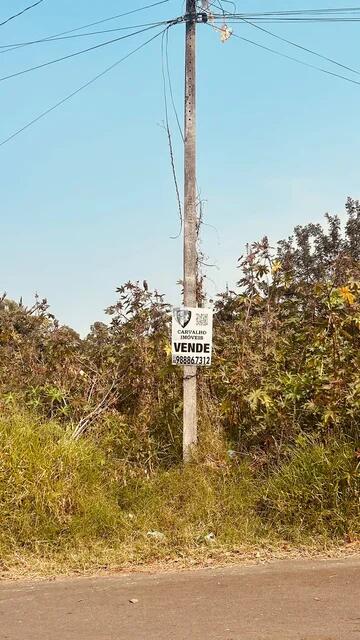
[(90, 429)]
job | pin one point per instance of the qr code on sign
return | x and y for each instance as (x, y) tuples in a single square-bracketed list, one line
[(202, 319)]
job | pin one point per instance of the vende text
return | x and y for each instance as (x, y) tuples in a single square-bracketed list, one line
[(183, 347)]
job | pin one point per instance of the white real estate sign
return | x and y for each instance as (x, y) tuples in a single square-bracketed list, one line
[(192, 336)]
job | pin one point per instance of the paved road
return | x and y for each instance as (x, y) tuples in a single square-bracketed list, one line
[(302, 600)]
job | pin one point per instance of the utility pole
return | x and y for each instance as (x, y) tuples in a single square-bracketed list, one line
[(190, 222)]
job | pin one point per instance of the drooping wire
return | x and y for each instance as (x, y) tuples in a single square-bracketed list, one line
[(81, 88), (224, 12), (284, 55), (77, 53), (20, 13), (168, 133), (232, 4), (199, 203), (216, 4), (173, 104)]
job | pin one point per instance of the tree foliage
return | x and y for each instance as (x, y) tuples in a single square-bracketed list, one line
[(286, 355)]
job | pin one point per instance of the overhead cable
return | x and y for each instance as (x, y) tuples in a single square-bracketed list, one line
[(76, 53), (299, 46), (20, 13), (284, 55), (101, 21), (81, 88), (15, 45)]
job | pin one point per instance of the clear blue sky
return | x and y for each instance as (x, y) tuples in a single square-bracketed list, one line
[(87, 199)]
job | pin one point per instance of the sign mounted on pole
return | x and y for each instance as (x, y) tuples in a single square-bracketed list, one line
[(192, 336)]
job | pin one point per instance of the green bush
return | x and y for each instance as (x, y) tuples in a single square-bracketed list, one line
[(95, 467), (315, 493)]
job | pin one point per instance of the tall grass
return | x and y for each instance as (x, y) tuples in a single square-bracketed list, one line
[(52, 490), (197, 505), (78, 503), (316, 493)]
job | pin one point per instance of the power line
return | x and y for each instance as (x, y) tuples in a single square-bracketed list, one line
[(240, 17), (84, 86), (168, 132), (10, 47), (284, 20), (299, 46), (324, 11), (101, 21), (16, 15), (294, 20), (284, 55), (177, 118), (217, 4), (171, 88), (345, 11), (347, 14), (228, 2), (77, 53), (115, 17)]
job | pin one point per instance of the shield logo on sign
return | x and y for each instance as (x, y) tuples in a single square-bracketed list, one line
[(183, 316)]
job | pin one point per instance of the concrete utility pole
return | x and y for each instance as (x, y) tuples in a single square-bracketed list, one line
[(190, 221)]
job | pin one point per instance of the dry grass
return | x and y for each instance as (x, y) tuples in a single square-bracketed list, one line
[(63, 511)]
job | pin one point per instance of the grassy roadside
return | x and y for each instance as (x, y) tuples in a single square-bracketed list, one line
[(66, 507), (99, 560)]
